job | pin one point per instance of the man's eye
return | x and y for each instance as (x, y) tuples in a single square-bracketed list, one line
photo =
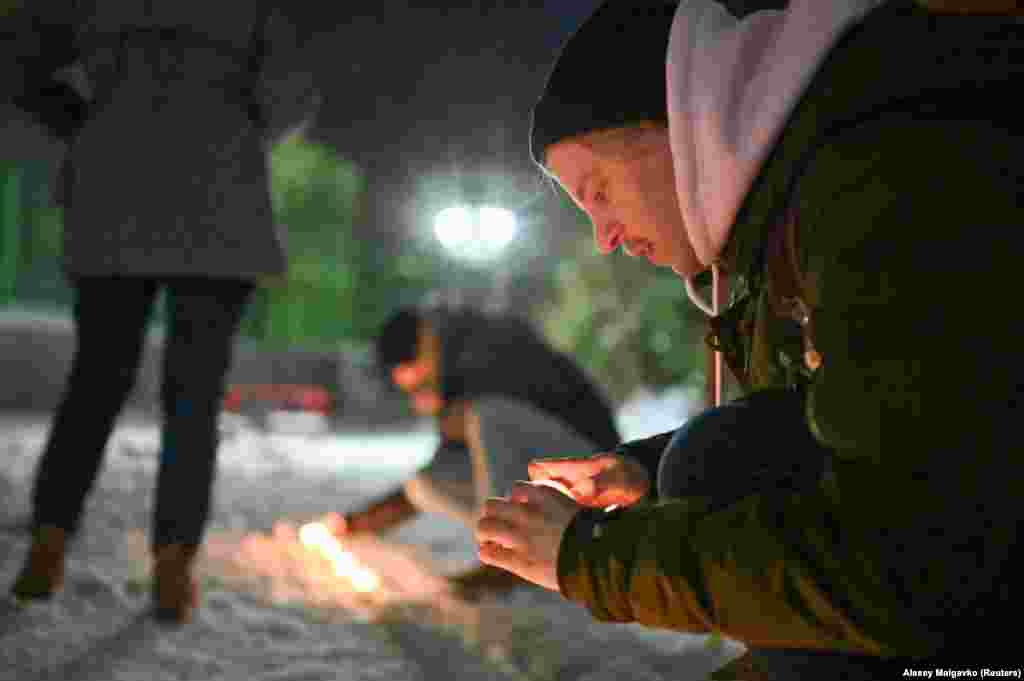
[(586, 190)]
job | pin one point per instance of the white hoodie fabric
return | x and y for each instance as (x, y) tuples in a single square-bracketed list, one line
[(731, 85)]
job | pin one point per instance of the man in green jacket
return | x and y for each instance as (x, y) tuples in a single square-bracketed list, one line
[(855, 169)]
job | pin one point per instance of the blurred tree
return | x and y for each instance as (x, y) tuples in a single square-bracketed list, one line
[(30, 247), (10, 209), (340, 285), (41, 280)]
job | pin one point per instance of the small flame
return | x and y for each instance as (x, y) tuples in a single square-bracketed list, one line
[(316, 536)]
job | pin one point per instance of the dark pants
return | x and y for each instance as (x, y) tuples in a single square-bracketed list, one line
[(111, 315)]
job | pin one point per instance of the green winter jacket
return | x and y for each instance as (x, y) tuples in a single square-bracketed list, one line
[(897, 186)]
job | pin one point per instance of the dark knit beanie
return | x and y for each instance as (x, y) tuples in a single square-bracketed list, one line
[(609, 74)]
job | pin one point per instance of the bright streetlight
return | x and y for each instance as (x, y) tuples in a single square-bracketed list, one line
[(475, 233)]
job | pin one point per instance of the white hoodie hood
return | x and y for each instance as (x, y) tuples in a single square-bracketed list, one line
[(731, 86)]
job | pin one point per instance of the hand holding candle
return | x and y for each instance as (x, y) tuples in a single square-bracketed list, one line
[(522, 533)]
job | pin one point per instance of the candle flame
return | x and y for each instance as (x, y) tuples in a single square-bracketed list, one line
[(317, 537)]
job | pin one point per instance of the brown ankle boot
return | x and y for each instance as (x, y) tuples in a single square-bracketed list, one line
[(175, 591), (43, 571)]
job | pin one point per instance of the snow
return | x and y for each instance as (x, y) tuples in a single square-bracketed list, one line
[(272, 609), (648, 412)]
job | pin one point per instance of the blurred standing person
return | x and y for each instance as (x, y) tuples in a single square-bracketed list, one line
[(165, 188)]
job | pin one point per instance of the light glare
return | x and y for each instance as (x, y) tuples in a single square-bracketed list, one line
[(498, 226), (454, 227), (475, 233)]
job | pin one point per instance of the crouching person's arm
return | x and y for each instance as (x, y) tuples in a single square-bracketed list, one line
[(771, 571), (380, 515), (426, 492)]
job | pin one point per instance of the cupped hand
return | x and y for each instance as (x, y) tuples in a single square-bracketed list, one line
[(337, 524), (522, 533), (600, 480)]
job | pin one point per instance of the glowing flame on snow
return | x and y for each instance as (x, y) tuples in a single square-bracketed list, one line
[(318, 537)]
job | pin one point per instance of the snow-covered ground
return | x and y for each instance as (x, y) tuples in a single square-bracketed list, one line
[(273, 609)]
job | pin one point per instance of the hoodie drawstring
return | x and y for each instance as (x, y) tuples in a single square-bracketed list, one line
[(719, 288)]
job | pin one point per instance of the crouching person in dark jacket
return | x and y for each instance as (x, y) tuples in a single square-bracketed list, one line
[(500, 395)]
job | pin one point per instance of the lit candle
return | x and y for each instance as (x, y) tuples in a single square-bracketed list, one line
[(318, 537)]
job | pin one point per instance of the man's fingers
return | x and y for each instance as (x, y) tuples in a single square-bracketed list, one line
[(522, 534), (612, 487), (592, 489), (509, 510), (530, 493), (491, 530), (504, 558), (590, 481), (569, 469), (585, 489)]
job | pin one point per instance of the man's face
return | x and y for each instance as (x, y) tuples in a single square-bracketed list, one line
[(626, 187), (418, 378)]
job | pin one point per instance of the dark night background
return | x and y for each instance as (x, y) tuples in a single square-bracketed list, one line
[(414, 91), (422, 107)]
